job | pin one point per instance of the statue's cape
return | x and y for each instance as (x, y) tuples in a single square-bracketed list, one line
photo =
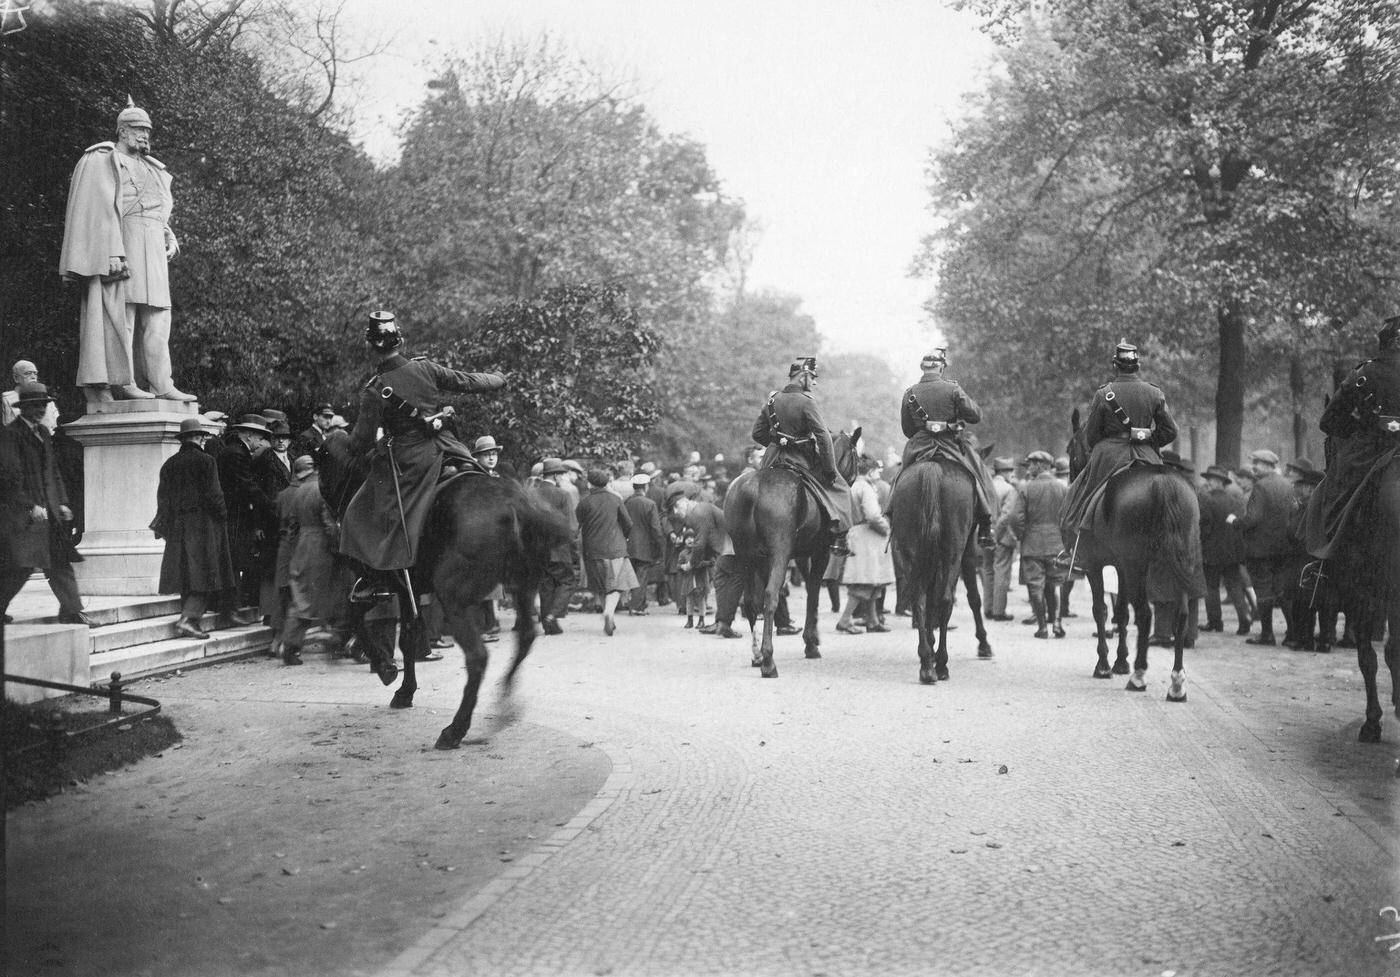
[(92, 231)]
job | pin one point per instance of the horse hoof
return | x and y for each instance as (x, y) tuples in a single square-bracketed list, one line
[(942, 674), (1136, 686), (813, 653), (926, 677), (770, 671), (984, 651), (1370, 733), (401, 702), (755, 664), (446, 741), (1120, 668), (1181, 697), (1103, 671)]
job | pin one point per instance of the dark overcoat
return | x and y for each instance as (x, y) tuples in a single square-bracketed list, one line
[(604, 525), (791, 428), (647, 544), (1221, 543), (249, 508), (384, 521), (273, 477), (939, 400), (552, 497), (42, 545), (1112, 448), (1266, 518), (1363, 419), (191, 517)]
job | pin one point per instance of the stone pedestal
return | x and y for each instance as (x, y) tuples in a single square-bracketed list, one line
[(124, 444)]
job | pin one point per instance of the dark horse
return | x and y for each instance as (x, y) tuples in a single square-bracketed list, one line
[(1365, 575), (1149, 531), (932, 508), (482, 532), (771, 519)]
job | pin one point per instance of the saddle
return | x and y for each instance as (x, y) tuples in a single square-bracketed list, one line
[(1098, 511)]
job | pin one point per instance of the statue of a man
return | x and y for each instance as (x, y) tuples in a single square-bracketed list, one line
[(116, 244)]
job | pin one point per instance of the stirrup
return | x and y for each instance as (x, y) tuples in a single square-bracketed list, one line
[(369, 591)]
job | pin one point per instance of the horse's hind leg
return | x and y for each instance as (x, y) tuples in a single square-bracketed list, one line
[(1142, 615), (1100, 611), (1176, 691), (971, 580), (940, 608), (1120, 624), (413, 642), (1366, 661), (919, 609)]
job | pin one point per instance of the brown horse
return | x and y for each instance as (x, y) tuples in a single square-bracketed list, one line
[(1365, 575), (932, 509), (1150, 533), (482, 532), (771, 519)]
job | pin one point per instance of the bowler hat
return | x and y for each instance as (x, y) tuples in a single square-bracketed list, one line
[(1043, 456), (32, 393), (1264, 455), (192, 425), (252, 422), (485, 444), (279, 429), (1003, 465), (553, 466), (1217, 471)]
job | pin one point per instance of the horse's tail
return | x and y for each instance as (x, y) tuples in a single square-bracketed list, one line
[(1179, 515)]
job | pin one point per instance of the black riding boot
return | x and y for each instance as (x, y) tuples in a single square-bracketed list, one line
[(1038, 607), (838, 540)]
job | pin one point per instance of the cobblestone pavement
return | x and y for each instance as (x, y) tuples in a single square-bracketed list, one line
[(1022, 818)]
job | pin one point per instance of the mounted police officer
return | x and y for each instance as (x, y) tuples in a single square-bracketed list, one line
[(385, 519), (1128, 424), (934, 413), (1363, 420), (792, 430)]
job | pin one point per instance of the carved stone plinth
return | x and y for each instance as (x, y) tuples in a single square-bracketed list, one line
[(124, 444)]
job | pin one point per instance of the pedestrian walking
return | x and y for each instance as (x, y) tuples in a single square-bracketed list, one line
[(1222, 549), (869, 568), (647, 543), (604, 526), (1035, 522)]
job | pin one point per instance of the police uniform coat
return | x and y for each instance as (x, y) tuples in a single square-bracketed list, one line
[(791, 428), (191, 517), (1112, 448), (935, 398), (1359, 418), (385, 519)]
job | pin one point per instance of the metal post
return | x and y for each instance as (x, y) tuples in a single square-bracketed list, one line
[(114, 694)]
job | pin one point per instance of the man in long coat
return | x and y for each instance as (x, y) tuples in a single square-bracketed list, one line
[(933, 414), (117, 242), (250, 510), (646, 546), (385, 519), (1265, 526), (558, 584), (312, 535), (791, 428), (191, 518), (1222, 549), (1363, 419), (43, 538), (1128, 424)]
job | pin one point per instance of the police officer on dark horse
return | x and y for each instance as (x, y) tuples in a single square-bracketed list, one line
[(400, 420)]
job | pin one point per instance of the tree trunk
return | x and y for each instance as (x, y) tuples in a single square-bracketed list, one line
[(1229, 385), (1297, 388)]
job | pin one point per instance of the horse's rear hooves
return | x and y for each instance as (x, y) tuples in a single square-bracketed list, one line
[(1181, 697), (942, 674), (755, 664), (1103, 671), (399, 702), (1370, 733), (769, 673), (1121, 668), (812, 653), (447, 741), (927, 678), (985, 652), (1132, 687)]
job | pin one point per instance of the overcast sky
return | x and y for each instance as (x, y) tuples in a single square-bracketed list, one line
[(818, 113)]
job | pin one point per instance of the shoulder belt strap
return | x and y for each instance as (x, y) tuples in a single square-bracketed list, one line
[(1112, 399), (917, 407), (783, 439)]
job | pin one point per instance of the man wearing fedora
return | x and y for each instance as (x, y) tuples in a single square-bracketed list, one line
[(487, 454), (250, 509), (1264, 527), (191, 518), (117, 243), (1222, 549), (41, 520)]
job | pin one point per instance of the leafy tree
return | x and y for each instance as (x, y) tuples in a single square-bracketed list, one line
[(577, 361), (1201, 177)]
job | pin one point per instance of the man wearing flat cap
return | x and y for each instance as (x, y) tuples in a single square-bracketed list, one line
[(403, 398), (1264, 527), (1128, 424), (1222, 549), (791, 428), (997, 562), (1363, 422), (37, 519), (1035, 522), (560, 572), (933, 414), (117, 243)]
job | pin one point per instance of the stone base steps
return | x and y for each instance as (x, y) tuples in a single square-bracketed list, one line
[(168, 654)]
